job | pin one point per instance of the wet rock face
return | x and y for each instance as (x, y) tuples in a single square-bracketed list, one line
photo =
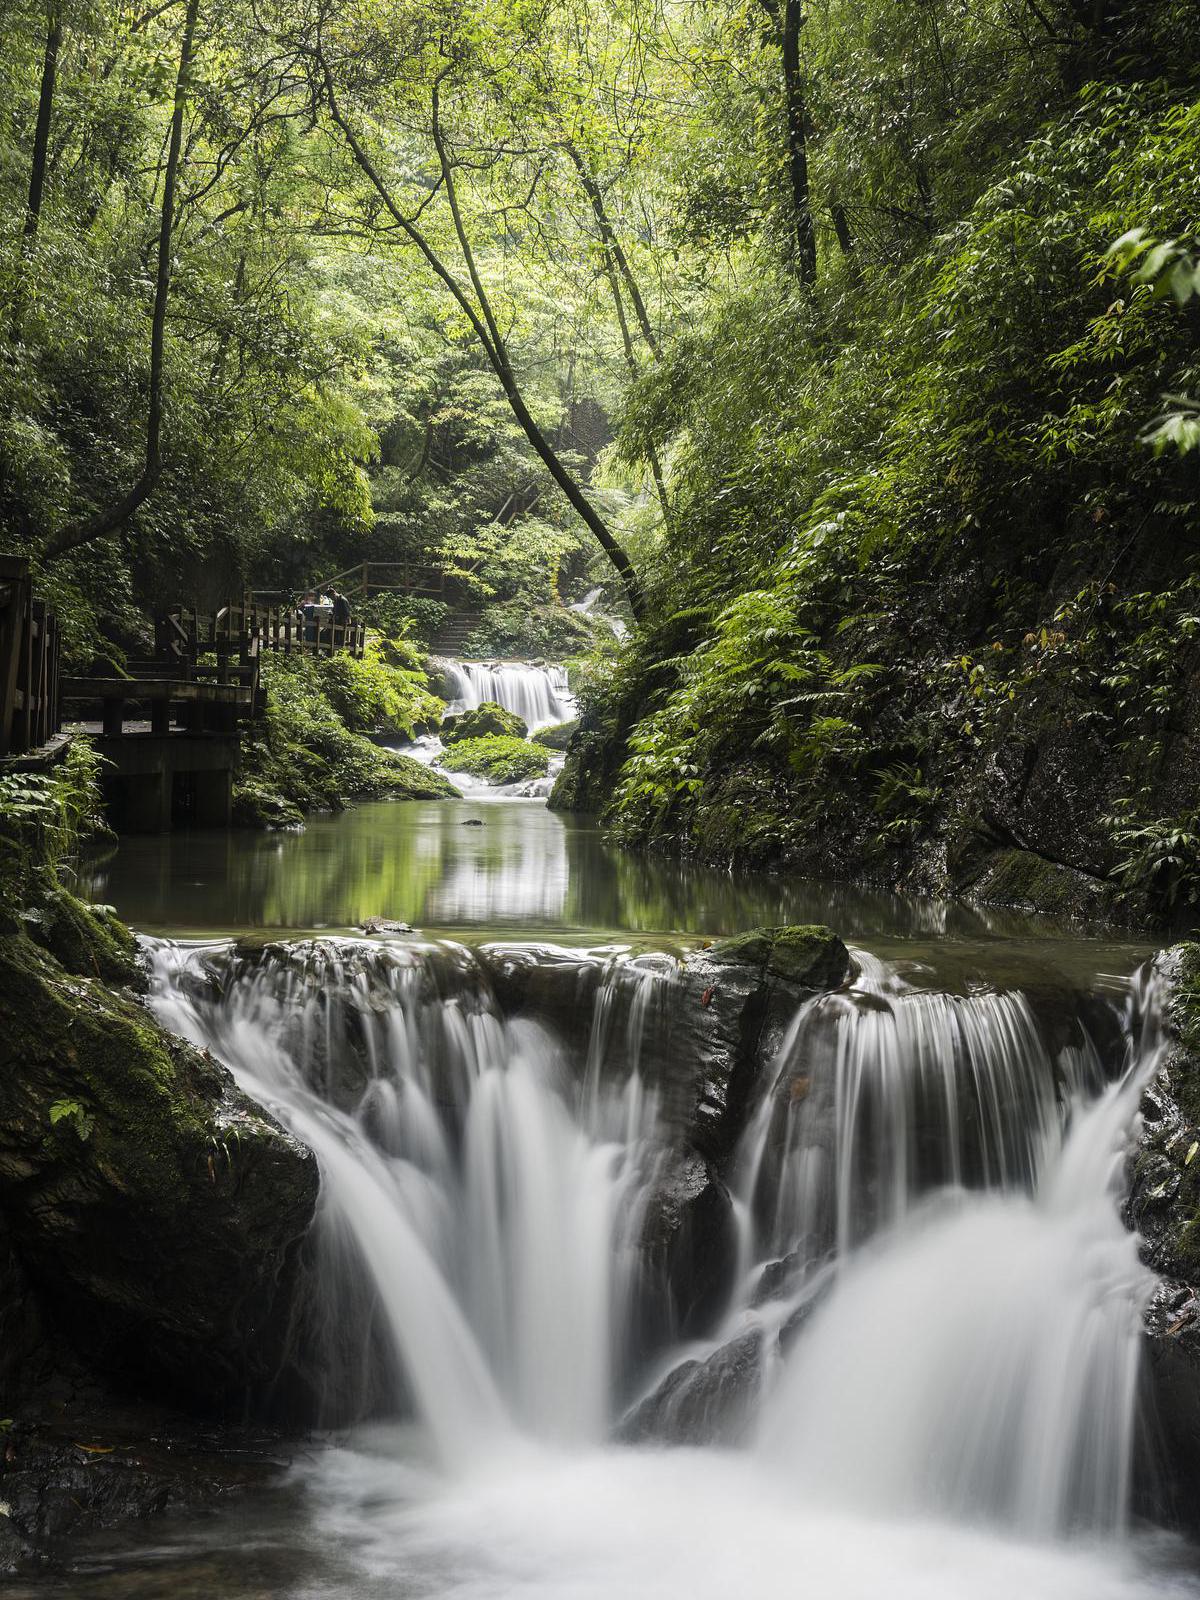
[(704, 1028), (105, 1469), (702, 1402), (1164, 1206), (154, 1209)]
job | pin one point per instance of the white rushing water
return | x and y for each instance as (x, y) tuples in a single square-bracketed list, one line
[(952, 1410), (538, 693)]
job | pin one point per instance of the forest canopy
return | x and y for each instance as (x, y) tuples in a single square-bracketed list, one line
[(846, 348)]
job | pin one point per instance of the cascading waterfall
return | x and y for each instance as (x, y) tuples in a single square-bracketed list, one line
[(493, 1206), (539, 694), (929, 1180)]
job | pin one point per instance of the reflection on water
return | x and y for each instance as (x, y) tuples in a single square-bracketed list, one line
[(487, 866)]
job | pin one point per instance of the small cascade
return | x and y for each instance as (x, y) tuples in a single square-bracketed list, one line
[(885, 1092), (538, 693), (933, 1291)]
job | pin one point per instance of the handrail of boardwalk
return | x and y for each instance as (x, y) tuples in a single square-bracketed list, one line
[(30, 651)]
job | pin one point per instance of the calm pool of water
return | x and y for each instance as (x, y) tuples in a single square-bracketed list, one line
[(484, 868)]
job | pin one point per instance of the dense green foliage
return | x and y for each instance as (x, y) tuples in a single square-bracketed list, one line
[(498, 757), (384, 691), (305, 755), (932, 546), (850, 350), (44, 819)]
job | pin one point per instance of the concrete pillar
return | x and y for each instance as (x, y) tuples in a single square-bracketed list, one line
[(214, 799), (147, 805)]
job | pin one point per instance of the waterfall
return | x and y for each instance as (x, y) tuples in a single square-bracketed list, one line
[(539, 694), (492, 1204), (926, 1190)]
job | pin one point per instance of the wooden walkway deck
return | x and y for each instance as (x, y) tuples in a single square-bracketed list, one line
[(170, 729)]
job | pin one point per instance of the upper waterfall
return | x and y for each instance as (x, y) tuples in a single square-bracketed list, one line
[(537, 692)]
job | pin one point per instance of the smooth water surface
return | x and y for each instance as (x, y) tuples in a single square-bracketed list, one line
[(488, 867)]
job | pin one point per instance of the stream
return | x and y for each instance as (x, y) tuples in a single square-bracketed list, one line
[(915, 1370)]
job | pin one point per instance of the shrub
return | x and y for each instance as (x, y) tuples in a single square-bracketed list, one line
[(499, 759), (384, 692), (303, 757), (484, 720), (45, 817)]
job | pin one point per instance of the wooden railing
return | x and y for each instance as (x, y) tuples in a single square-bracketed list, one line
[(236, 635), (29, 663), (386, 577)]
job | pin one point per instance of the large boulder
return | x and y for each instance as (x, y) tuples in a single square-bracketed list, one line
[(482, 720), (702, 1028), (558, 736), (155, 1210)]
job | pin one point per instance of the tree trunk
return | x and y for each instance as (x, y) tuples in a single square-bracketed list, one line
[(116, 516), (614, 260), (477, 308), (804, 238), (41, 136)]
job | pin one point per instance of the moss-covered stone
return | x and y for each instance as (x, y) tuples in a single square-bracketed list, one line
[(408, 779), (87, 940), (481, 722), (810, 956), (557, 737), (1012, 877), (153, 1206), (586, 781), (499, 759)]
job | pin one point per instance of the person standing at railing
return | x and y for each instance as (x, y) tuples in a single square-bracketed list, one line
[(341, 619)]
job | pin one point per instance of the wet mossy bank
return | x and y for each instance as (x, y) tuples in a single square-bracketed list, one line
[(151, 1217)]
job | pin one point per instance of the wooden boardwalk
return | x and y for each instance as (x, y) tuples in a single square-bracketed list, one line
[(30, 699), (170, 727)]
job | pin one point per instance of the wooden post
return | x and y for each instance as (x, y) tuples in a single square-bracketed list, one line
[(10, 664), (160, 716), (113, 718)]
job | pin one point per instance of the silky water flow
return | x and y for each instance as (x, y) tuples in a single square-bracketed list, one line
[(931, 1258)]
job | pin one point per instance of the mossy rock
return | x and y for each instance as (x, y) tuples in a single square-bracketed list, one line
[(409, 779), (1013, 877), (154, 1207), (810, 956), (257, 805), (499, 759), (557, 737), (85, 939), (586, 781), (482, 722)]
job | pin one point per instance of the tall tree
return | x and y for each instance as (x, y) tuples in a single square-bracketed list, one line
[(118, 514), (472, 295)]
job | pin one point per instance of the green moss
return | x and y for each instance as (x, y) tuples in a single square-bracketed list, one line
[(557, 737), (809, 955), (152, 1203), (1021, 878), (499, 759), (481, 722), (304, 756), (85, 939)]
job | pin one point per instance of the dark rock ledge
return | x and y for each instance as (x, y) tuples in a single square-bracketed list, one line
[(150, 1222)]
